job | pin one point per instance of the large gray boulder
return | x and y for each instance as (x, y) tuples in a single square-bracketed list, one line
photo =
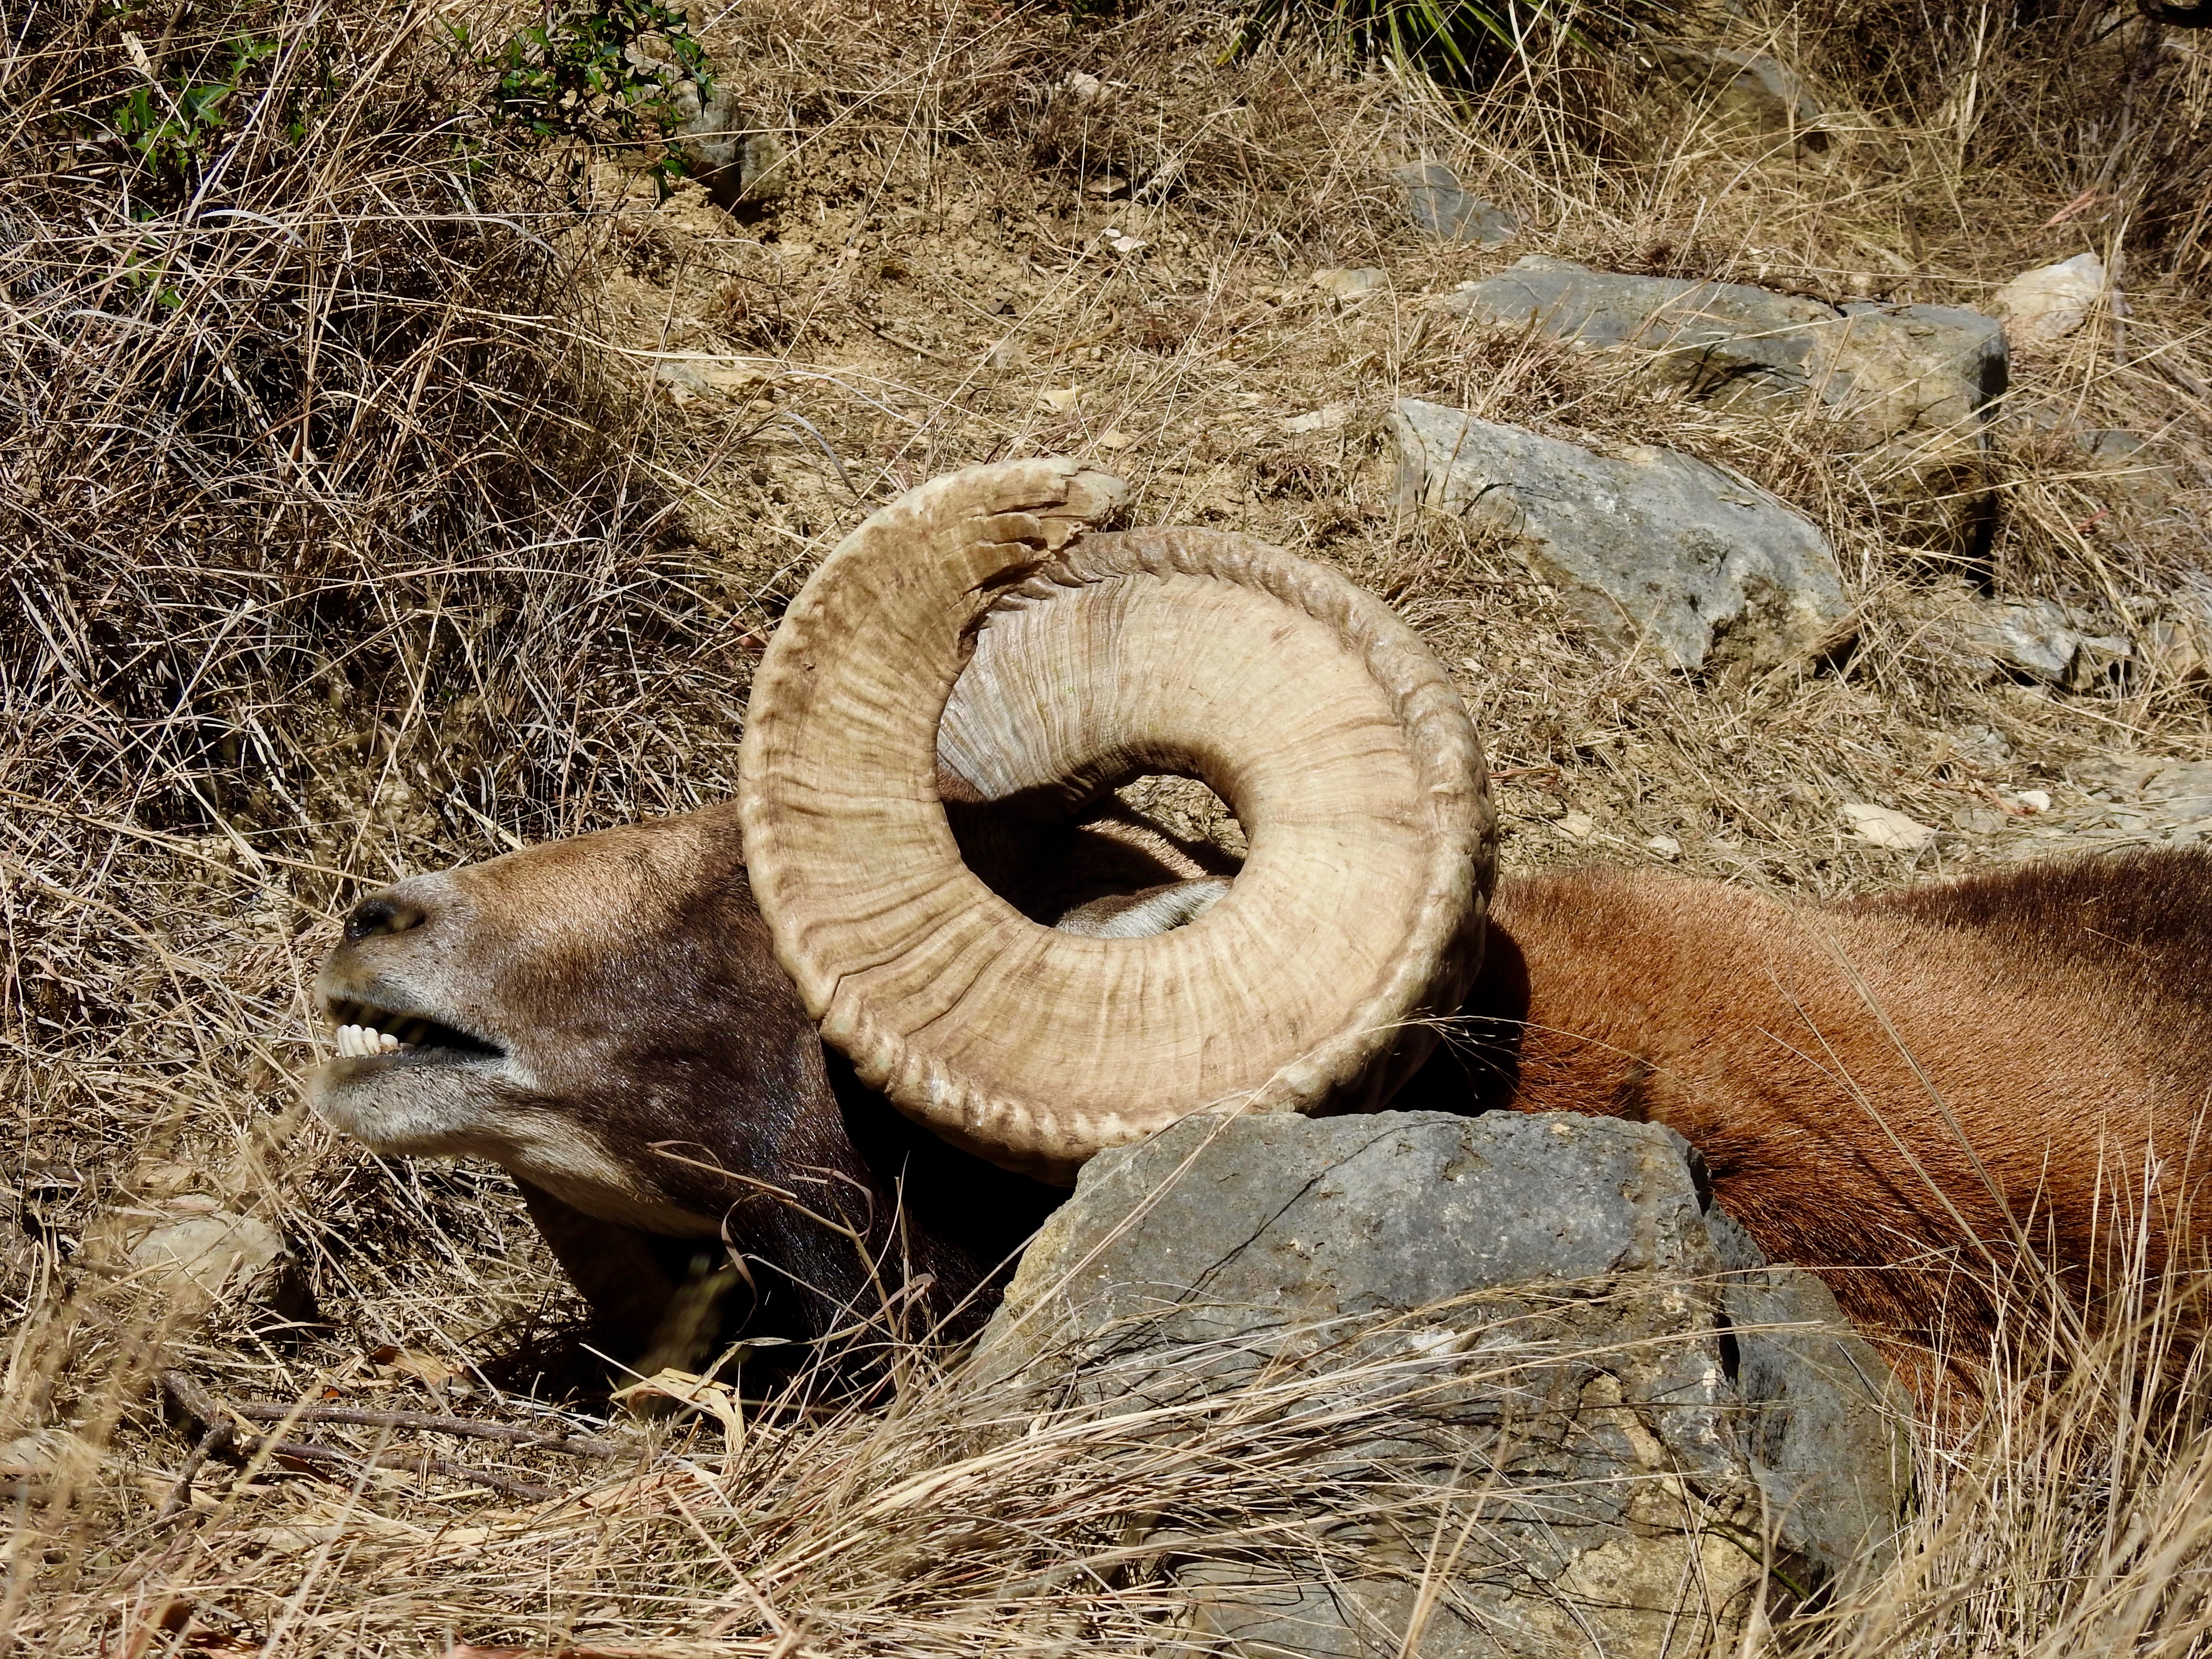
[(1538, 1398), (1651, 545)]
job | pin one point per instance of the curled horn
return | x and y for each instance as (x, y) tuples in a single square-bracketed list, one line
[(1320, 717)]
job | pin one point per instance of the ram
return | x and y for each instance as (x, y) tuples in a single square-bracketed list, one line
[(863, 1024)]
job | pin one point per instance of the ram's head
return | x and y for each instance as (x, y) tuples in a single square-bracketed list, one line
[(946, 885)]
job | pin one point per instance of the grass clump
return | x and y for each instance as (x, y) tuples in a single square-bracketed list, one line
[(1457, 43)]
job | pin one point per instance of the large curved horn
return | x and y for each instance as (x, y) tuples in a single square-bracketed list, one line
[(1319, 717)]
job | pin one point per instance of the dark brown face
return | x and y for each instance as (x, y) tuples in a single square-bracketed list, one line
[(588, 1013)]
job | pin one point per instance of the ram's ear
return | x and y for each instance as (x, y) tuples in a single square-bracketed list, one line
[(1327, 726)]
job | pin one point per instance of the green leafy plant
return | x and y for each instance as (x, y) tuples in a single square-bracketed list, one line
[(1459, 43), (616, 71), (174, 121)]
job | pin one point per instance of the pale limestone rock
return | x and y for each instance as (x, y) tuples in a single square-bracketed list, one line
[(2044, 305), (1351, 285), (1888, 828), (198, 1259)]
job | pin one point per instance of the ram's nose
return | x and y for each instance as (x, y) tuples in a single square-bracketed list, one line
[(386, 912)]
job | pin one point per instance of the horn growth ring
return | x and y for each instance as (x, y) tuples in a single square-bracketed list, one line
[(1326, 724)]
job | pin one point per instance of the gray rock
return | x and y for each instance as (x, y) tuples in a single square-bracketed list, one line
[(1747, 88), (1539, 1374), (2159, 794), (1914, 384), (1922, 369), (1651, 543), (737, 166), (1437, 204), (2034, 637), (1892, 370), (2043, 641), (1720, 341)]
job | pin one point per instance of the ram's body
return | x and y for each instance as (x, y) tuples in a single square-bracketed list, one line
[(1895, 1090), (1902, 1090), (1923, 1094)]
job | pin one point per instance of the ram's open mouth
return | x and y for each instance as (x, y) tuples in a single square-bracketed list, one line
[(365, 1032)]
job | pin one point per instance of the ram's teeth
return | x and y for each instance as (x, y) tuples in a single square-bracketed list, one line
[(345, 1041), (388, 1043)]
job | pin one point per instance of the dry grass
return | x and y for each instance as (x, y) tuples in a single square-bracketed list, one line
[(354, 533)]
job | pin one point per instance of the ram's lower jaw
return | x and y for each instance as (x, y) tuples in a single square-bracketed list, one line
[(421, 1100), (483, 1109)]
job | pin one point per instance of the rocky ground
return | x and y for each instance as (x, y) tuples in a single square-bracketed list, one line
[(1229, 312), (262, 660)]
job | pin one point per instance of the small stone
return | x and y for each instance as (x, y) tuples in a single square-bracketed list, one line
[(1326, 418), (207, 1257), (1575, 826), (45, 1458), (1665, 846), (735, 165), (695, 374), (2034, 800), (1747, 88), (1008, 354), (1983, 820), (1436, 203), (1083, 88), (1122, 242), (1060, 398), (1115, 438), (1351, 285), (1884, 827), (2035, 637), (2044, 305)]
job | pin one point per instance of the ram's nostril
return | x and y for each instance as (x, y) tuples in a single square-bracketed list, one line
[(382, 916)]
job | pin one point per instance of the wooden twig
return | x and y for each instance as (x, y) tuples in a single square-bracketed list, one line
[(217, 1439), (260, 1411), (221, 1436)]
